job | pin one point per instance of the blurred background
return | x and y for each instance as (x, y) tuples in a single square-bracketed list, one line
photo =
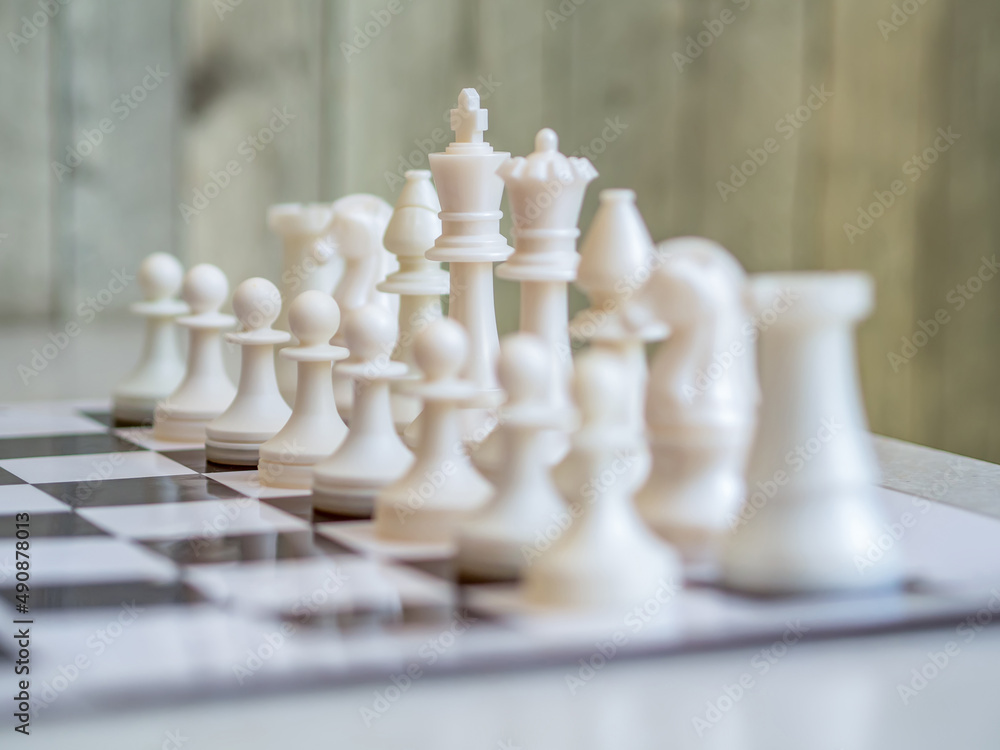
[(811, 135)]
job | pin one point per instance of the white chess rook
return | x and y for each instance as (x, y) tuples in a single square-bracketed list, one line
[(357, 226), (497, 543), (812, 510), (605, 559), (308, 262), (470, 191), (441, 489), (206, 390), (373, 455), (315, 429), (258, 411), (419, 282), (160, 368), (702, 396)]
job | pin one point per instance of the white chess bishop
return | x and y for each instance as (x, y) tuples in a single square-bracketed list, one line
[(308, 262), (206, 390), (616, 256), (357, 225), (419, 282), (496, 544), (545, 192), (315, 429), (160, 368), (441, 488), (258, 411), (373, 455), (606, 559), (702, 395), (470, 191), (812, 510)]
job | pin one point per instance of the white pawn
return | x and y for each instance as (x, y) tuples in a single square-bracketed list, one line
[(526, 504), (315, 429), (441, 489), (160, 368), (258, 411), (813, 513), (606, 559), (206, 390), (373, 455)]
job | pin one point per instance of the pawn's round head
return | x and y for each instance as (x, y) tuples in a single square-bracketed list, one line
[(441, 349), (256, 303), (600, 387), (160, 277), (370, 331), (314, 318), (524, 368), (205, 288)]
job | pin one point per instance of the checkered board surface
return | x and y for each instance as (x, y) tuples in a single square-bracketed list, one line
[(155, 576)]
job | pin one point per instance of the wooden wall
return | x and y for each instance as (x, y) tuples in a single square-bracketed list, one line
[(680, 126)]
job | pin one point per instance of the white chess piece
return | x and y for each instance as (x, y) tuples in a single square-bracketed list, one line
[(315, 429), (702, 395), (497, 543), (419, 282), (812, 512), (308, 262), (442, 488), (160, 368), (373, 455), (258, 411), (206, 390), (606, 559), (470, 191), (357, 225), (615, 260)]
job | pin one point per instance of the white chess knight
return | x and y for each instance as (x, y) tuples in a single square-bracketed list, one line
[(373, 455), (545, 192), (160, 368), (258, 411), (441, 488), (470, 191), (702, 394), (315, 429), (812, 510), (206, 390), (606, 559), (616, 256), (308, 262), (419, 282), (497, 543), (357, 225)]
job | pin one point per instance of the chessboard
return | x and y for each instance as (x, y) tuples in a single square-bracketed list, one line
[(154, 576)]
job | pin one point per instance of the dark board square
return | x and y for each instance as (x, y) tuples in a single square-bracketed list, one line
[(195, 459), (287, 545), (104, 417), (7, 478), (51, 524), (64, 445), (129, 593), (139, 491)]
